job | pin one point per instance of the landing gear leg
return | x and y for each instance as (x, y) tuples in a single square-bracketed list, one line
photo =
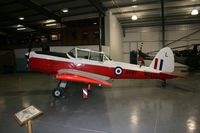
[(59, 90), (85, 91), (164, 83)]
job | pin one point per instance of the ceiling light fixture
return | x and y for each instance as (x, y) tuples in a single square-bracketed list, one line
[(65, 10), (134, 6), (134, 17), (22, 28), (53, 24), (21, 18), (194, 12), (50, 21), (19, 25), (95, 23)]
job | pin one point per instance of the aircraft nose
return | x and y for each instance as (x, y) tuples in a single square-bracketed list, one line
[(27, 60)]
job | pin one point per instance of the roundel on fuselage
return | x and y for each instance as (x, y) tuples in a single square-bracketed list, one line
[(118, 71)]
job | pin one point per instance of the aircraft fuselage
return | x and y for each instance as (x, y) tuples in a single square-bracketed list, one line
[(52, 63)]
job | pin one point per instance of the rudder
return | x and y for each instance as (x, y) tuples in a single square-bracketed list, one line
[(164, 60)]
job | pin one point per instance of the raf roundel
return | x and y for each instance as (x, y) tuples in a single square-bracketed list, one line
[(118, 71)]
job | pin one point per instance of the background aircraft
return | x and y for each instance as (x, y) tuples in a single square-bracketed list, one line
[(92, 67), (188, 55)]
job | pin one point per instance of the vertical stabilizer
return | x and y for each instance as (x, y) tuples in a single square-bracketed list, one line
[(164, 60)]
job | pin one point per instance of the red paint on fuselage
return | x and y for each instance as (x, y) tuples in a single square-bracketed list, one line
[(52, 66)]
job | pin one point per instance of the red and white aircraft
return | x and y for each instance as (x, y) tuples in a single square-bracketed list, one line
[(92, 67)]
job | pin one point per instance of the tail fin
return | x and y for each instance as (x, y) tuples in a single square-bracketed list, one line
[(164, 60)]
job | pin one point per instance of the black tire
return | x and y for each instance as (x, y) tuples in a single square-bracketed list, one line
[(58, 92), (164, 84)]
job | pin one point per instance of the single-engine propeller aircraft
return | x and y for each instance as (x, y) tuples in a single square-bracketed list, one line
[(92, 67)]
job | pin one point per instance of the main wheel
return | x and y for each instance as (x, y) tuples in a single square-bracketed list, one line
[(164, 83), (58, 92)]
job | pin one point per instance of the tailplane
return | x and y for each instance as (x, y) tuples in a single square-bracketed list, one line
[(163, 61)]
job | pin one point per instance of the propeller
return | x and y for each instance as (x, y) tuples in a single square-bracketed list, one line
[(27, 55), (27, 59)]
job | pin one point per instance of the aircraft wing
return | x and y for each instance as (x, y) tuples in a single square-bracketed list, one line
[(80, 76)]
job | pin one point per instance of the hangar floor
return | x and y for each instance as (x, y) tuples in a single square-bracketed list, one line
[(131, 106)]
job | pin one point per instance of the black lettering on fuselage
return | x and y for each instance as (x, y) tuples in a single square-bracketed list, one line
[(130, 72), (151, 75)]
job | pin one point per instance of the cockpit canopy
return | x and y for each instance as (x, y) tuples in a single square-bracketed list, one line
[(88, 54)]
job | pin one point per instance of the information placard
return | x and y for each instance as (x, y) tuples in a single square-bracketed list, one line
[(26, 114)]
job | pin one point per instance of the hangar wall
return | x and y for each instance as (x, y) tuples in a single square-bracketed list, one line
[(65, 49), (151, 38), (113, 36), (113, 43)]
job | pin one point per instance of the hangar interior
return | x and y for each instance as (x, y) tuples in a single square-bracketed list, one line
[(117, 28)]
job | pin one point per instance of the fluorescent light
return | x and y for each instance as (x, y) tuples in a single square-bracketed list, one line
[(194, 12), (134, 17), (22, 28), (95, 23), (21, 18), (65, 10), (19, 25), (53, 24), (134, 6), (50, 21)]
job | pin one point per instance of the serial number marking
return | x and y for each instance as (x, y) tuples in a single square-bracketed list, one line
[(130, 72), (151, 75)]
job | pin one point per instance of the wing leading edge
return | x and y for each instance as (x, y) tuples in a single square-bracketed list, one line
[(80, 78)]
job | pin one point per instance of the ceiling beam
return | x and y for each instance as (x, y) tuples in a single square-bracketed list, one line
[(136, 11), (40, 9), (57, 2), (65, 15), (138, 3), (157, 21), (62, 14), (8, 3), (78, 14), (15, 11), (99, 6), (171, 15), (16, 21), (76, 7), (156, 9)]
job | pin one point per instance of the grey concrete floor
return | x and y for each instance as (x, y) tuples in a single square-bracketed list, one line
[(131, 106)]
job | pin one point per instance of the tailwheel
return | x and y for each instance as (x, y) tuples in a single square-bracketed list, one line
[(164, 83), (58, 92)]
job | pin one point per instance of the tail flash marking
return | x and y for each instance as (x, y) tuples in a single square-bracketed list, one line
[(156, 63), (163, 61), (161, 64)]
